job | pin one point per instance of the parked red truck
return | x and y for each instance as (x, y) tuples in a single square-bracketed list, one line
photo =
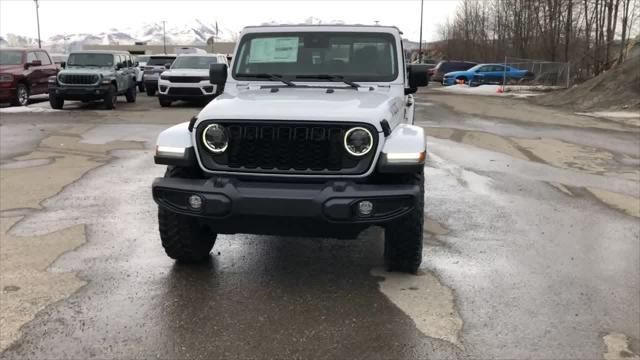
[(24, 72)]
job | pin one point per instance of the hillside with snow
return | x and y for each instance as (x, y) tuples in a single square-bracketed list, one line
[(194, 33)]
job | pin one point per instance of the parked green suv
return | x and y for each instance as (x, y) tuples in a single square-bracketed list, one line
[(94, 75)]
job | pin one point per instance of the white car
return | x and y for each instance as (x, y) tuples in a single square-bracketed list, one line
[(188, 79), (312, 135)]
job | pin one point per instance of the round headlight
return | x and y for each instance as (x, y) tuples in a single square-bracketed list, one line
[(358, 141), (215, 138)]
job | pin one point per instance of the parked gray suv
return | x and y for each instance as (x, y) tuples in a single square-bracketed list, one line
[(94, 75)]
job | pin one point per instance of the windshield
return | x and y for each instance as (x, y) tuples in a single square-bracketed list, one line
[(90, 59), (348, 55), (10, 57), (142, 58), (58, 58), (160, 60), (194, 62)]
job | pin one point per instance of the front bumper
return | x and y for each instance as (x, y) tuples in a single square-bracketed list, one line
[(448, 81), (186, 91), (332, 202), (80, 92)]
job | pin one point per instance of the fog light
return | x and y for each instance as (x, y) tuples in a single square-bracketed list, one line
[(195, 202), (365, 207), (97, 92)]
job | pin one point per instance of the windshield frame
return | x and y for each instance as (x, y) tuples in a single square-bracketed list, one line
[(395, 57), (22, 57), (69, 64)]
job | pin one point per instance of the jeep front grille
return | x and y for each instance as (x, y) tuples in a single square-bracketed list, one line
[(78, 79), (286, 147), (185, 91), (186, 79)]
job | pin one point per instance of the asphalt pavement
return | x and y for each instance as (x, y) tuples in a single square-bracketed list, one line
[(532, 248)]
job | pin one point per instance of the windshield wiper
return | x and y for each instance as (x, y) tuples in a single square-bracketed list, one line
[(272, 77), (330, 78)]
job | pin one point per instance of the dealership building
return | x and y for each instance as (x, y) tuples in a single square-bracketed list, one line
[(145, 49)]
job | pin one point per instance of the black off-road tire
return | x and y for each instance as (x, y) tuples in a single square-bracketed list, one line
[(55, 101), (110, 98), (403, 237), (151, 91), (164, 101), (22, 95), (183, 237), (131, 94)]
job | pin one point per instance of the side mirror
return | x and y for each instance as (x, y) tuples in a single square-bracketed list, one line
[(119, 66), (63, 64), (418, 75), (34, 63), (218, 75), (136, 64), (167, 65)]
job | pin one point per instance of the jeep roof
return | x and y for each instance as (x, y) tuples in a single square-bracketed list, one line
[(202, 55), (114, 52), (345, 26)]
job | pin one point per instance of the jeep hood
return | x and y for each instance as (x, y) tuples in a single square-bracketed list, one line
[(187, 72), (310, 104), (89, 70)]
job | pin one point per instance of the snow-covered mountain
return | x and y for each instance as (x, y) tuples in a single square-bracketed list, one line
[(196, 32), (193, 33)]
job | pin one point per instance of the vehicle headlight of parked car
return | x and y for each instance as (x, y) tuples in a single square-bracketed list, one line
[(164, 77), (215, 138), (6, 78)]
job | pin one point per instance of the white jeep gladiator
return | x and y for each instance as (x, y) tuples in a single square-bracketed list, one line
[(312, 135)]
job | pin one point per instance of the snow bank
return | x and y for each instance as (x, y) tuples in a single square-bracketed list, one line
[(487, 90), (33, 108)]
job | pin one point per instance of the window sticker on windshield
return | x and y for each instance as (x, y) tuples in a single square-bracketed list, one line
[(272, 50)]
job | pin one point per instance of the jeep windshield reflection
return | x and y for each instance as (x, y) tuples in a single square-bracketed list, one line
[(193, 62), (89, 59), (317, 56)]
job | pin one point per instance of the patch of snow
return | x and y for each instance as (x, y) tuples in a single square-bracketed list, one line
[(488, 90), (27, 109)]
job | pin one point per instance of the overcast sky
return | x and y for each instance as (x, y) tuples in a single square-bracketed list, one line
[(68, 17)]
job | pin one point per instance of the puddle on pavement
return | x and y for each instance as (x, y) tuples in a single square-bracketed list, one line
[(625, 203), (26, 181), (549, 151), (426, 301), (434, 228), (618, 347), (23, 164)]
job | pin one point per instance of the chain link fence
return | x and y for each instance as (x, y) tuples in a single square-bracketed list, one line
[(538, 73)]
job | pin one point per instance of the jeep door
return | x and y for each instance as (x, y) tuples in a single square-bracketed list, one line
[(34, 74), (48, 68), (122, 75)]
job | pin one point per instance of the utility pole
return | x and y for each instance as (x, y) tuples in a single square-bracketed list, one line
[(164, 37), (38, 20), (420, 46)]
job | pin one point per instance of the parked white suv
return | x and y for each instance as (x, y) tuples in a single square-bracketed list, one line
[(312, 135), (142, 62), (188, 79)]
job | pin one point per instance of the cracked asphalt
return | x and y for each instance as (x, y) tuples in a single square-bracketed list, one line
[(532, 248)]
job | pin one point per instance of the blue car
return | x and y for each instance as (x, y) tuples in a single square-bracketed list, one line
[(486, 74)]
